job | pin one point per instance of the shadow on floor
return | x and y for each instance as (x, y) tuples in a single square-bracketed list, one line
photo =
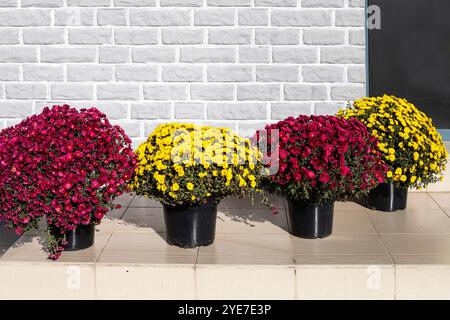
[(7, 238), (234, 216), (252, 217)]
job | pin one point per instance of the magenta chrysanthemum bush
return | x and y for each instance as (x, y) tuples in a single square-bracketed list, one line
[(324, 158), (65, 165)]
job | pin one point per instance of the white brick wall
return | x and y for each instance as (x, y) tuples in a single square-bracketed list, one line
[(238, 63)]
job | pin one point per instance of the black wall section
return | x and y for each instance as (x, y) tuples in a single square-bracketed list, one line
[(410, 56)]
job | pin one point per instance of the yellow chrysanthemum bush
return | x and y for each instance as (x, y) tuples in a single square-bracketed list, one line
[(410, 143), (189, 165)]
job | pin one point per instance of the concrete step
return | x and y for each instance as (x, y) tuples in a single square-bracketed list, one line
[(371, 255)]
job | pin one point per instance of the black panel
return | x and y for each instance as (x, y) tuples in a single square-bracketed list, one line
[(410, 56)]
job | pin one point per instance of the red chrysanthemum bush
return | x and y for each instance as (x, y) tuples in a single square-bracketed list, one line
[(323, 159), (65, 165)]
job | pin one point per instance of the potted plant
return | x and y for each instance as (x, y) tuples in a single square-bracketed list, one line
[(322, 159), (189, 169), (411, 146), (64, 165)]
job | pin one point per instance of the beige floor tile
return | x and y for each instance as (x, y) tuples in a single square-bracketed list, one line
[(257, 249), (420, 202), (251, 220), (418, 249), (245, 282), (145, 218), (46, 281), (142, 202), (29, 249), (421, 260), (341, 249), (404, 222), (442, 198), (351, 282), (422, 283), (352, 222), (144, 248), (145, 282), (441, 186)]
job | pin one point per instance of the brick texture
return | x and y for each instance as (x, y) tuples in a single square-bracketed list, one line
[(237, 63)]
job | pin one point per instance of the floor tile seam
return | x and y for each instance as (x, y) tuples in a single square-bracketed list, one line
[(381, 239), (437, 203)]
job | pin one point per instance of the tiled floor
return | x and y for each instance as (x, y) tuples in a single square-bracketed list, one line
[(371, 255)]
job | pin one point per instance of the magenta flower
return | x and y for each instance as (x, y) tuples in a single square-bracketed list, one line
[(64, 165)]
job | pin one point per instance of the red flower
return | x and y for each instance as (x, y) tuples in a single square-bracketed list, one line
[(310, 175), (345, 170), (57, 164), (324, 177), (324, 158)]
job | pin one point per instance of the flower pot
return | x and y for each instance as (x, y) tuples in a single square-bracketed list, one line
[(387, 197), (310, 221), (80, 238), (190, 227)]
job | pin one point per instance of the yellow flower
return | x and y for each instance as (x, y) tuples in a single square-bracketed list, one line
[(178, 155), (180, 171), (389, 174), (242, 183), (406, 136), (175, 187)]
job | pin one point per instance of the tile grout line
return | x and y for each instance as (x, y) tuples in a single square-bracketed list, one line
[(195, 275), (394, 265), (381, 239), (95, 265), (437, 203), (296, 275), (128, 206), (395, 282)]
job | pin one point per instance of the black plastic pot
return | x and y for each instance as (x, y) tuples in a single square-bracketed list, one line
[(309, 220), (190, 227), (387, 197), (80, 238)]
